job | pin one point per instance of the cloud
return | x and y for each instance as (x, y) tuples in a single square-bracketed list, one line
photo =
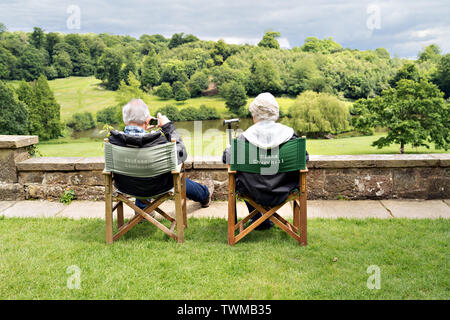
[(405, 26)]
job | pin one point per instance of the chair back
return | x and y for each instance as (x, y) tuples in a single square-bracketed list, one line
[(141, 162), (246, 157)]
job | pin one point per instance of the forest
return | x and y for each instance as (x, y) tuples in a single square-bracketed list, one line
[(184, 67)]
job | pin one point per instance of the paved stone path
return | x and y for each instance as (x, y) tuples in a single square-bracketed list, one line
[(384, 209)]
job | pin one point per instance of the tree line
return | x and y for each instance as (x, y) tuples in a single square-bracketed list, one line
[(321, 73)]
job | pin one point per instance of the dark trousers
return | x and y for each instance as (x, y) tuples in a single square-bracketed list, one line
[(194, 191)]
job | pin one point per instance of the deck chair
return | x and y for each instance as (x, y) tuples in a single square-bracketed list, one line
[(291, 156), (144, 163)]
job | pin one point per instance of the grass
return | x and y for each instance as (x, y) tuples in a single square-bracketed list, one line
[(413, 257), (86, 147), (79, 94)]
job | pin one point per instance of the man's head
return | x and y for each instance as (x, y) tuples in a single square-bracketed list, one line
[(136, 113), (264, 107)]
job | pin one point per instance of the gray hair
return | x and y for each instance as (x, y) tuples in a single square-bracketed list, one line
[(265, 107), (135, 111)]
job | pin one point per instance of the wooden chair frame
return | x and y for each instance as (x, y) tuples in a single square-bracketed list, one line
[(298, 230), (178, 194)]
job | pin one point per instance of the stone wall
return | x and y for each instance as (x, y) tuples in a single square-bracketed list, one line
[(424, 176)]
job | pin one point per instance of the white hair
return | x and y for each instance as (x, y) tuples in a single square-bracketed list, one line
[(135, 111), (265, 107)]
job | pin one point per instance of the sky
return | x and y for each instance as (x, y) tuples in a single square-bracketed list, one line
[(403, 27)]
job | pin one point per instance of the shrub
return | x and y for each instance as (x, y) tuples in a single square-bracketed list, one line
[(107, 115), (81, 121), (317, 114), (171, 112), (164, 91), (208, 113), (180, 91), (189, 114)]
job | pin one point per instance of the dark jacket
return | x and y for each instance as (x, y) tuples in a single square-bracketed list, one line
[(267, 190), (144, 187)]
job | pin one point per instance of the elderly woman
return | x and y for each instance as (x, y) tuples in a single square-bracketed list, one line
[(265, 133)]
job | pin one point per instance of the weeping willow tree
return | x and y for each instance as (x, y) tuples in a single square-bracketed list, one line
[(318, 114)]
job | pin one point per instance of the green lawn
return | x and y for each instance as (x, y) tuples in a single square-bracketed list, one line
[(79, 94), (413, 257), (85, 147)]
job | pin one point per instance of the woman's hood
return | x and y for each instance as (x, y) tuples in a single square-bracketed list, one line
[(268, 134)]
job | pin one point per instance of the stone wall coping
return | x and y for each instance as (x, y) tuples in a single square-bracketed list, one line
[(15, 142), (214, 163)]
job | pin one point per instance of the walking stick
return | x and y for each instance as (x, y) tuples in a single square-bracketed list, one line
[(229, 123)]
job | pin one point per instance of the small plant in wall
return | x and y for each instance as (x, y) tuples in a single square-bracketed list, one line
[(67, 196)]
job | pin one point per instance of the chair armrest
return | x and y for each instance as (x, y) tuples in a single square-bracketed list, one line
[(230, 171), (304, 171), (177, 169), (106, 173)]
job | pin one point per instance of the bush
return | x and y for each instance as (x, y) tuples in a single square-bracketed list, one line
[(81, 121), (208, 113), (107, 115), (189, 113), (180, 91), (171, 112), (164, 91), (317, 114)]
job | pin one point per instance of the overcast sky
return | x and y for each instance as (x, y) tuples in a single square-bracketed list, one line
[(403, 27)]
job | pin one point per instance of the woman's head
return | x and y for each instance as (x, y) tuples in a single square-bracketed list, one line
[(264, 107)]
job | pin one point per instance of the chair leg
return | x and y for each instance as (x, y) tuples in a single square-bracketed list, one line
[(296, 210), (183, 197), (303, 210), (178, 208), (108, 209), (231, 209), (119, 214)]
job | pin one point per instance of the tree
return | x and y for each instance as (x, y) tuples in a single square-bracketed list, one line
[(150, 72), (178, 39), (43, 110), (62, 64), (8, 64), (180, 92), (109, 67), (325, 46), (52, 39), (414, 113), (129, 91), (408, 71), (13, 112), (37, 38), (431, 52), (317, 114), (164, 91), (2, 28), (198, 82), (269, 40), (264, 77), (31, 64), (174, 70), (235, 96), (442, 75)]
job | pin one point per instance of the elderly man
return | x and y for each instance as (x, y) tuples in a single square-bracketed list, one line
[(265, 133), (136, 117)]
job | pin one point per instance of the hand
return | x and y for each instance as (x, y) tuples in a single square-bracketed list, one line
[(162, 120), (149, 126)]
